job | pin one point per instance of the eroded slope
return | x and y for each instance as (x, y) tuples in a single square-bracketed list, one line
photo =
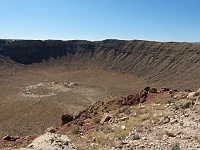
[(170, 64)]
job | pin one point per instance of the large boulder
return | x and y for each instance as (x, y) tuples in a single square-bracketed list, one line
[(135, 99), (194, 95), (131, 100), (10, 138), (66, 118), (106, 117), (51, 141), (153, 90)]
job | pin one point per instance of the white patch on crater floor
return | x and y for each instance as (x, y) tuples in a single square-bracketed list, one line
[(47, 89)]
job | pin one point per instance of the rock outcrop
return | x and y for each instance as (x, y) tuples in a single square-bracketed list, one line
[(109, 124), (66, 118), (194, 95), (51, 141)]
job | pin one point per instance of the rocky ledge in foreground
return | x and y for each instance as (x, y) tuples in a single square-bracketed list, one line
[(51, 141), (167, 119)]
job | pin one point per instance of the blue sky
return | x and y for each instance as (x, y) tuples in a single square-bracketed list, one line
[(153, 20)]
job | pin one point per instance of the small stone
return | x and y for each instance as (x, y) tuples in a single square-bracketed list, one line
[(167, 105), (124, 118), (141, 146), (152, 144), (106, 117), (88, 141), (10, 138), (186, 115), (51, 129), (83, 137), (164, 120), (170, 134), (92, 144), (178, 133), (118, 147), (174, 121), (165, 137), (144, 138), (94, 139), (123, 127), (115, 125), (155, 115), (181, 123), (128, 145)]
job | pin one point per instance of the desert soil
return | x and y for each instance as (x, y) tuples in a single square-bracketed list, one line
[(23, 115)]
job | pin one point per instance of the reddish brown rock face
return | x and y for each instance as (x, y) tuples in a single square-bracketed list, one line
[(135, 99)]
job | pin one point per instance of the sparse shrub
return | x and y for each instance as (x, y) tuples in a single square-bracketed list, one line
[(158, 101), (197, 137), (135, 137), (183, 106), (176, 107), (122, 134), (94, 112), (96, 120), (105, 129), (101, 128), (192, 103), (169, 102), (176, 146), (125, 110), (108, 129), (76, 130), (83, 115), (80, 123), (188, 105), (144, 118), (121, 137), (101, 140)]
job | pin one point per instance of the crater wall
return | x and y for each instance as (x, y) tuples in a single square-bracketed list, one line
[(170, 64)]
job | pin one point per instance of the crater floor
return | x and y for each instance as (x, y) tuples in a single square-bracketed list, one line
[(34, 98)]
